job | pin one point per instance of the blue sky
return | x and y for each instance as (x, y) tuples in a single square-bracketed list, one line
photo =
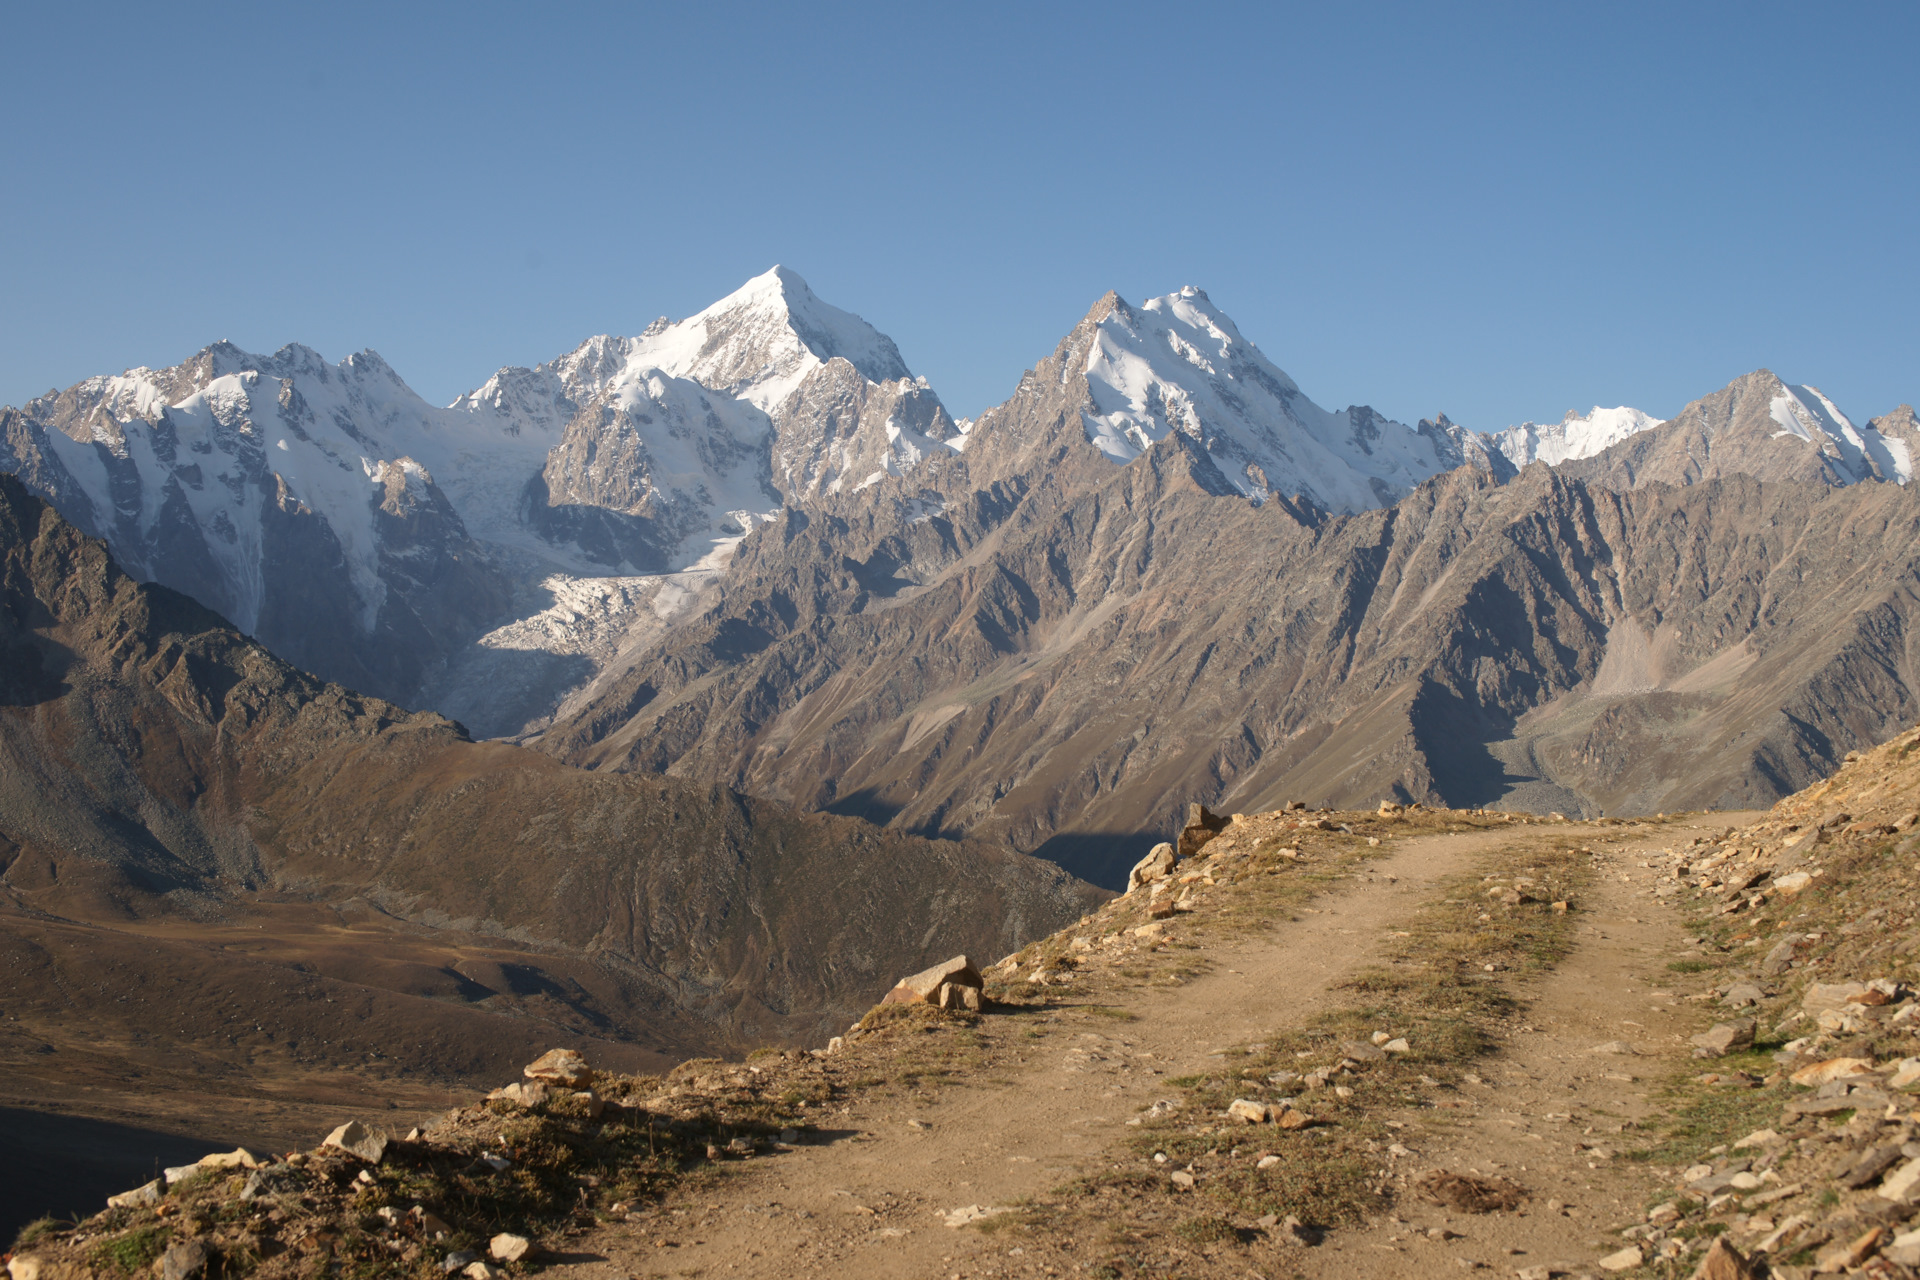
[(1501, 212)]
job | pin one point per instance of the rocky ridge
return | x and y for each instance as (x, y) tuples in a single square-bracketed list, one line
[(192, 831), (1062, 657)]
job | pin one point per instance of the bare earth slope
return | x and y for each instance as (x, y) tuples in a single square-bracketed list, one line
[(216, 868)]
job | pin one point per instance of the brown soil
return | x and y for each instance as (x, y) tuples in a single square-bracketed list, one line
[(1050, 1096)]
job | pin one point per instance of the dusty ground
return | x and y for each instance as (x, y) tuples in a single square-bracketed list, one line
[(868, 1199)]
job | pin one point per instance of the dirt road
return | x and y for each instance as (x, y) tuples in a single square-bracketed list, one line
[(870, 1199)]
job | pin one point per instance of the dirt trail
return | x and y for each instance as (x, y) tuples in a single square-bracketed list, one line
[(867, 1204), (868, 1201), (1553, 1111)]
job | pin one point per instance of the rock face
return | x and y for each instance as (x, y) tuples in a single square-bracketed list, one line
[(1068, 653), (156, 764)]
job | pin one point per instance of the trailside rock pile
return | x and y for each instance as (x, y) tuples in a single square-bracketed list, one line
[(478, 1193), (1812, 914)]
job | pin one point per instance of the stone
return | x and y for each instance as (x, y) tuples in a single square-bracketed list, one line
[(1161, 910), (24, 1266), (1724, 1262), (1182, 1179), (1830, 995), (1202, 825), (1724, 1038), (1831, 1069), (1758, 1138), (560, 1067), (432, 1225), (1742, 994), (1396, 1045), (1899, 1185), (1792, 883), (969, 1213), (1361, 1051), (356, 1139), (924, 987), (1866, 1171), (1158, 863), (1779, 958), (1906, 1074), (507, 1247), (1845, 1257), (955, 996), (458, 1260), (187, 1258), (139, 1197), (1613, 1046), (483, 1271), (595, 1104), (1289, 1117), (1625, 1260), (1247, 1111), (1266, 1162), (527, 1094)]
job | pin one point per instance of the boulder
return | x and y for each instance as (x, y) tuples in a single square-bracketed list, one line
[(924, 987), (188, 1258), (1742, 994), (561, 1067), (139, 1197), (954, 995), (521, 1094), (1202, 825), (1158, 863), (23, 1266), (1289, 1117), (356, 1139), (1247, 1111), (1726, 1037)]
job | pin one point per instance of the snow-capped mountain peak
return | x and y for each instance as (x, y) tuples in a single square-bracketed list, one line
[(1574, 436), (1179, 363), (758, 343)]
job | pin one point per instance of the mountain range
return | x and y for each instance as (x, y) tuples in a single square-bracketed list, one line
[(751, 548)]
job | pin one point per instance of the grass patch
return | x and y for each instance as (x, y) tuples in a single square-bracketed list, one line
[(34, 1230), (131, 1251)]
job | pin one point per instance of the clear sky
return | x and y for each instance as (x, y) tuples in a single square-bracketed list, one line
[(1500, 211)]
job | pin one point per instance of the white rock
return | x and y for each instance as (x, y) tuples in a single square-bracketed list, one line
[(1899, 1185), (139, 1197), (356, 1139), (1625, 1260), (506, 1247)]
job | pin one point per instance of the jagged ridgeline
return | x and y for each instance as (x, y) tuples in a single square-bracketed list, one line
[(214, 863), (750, 548)]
